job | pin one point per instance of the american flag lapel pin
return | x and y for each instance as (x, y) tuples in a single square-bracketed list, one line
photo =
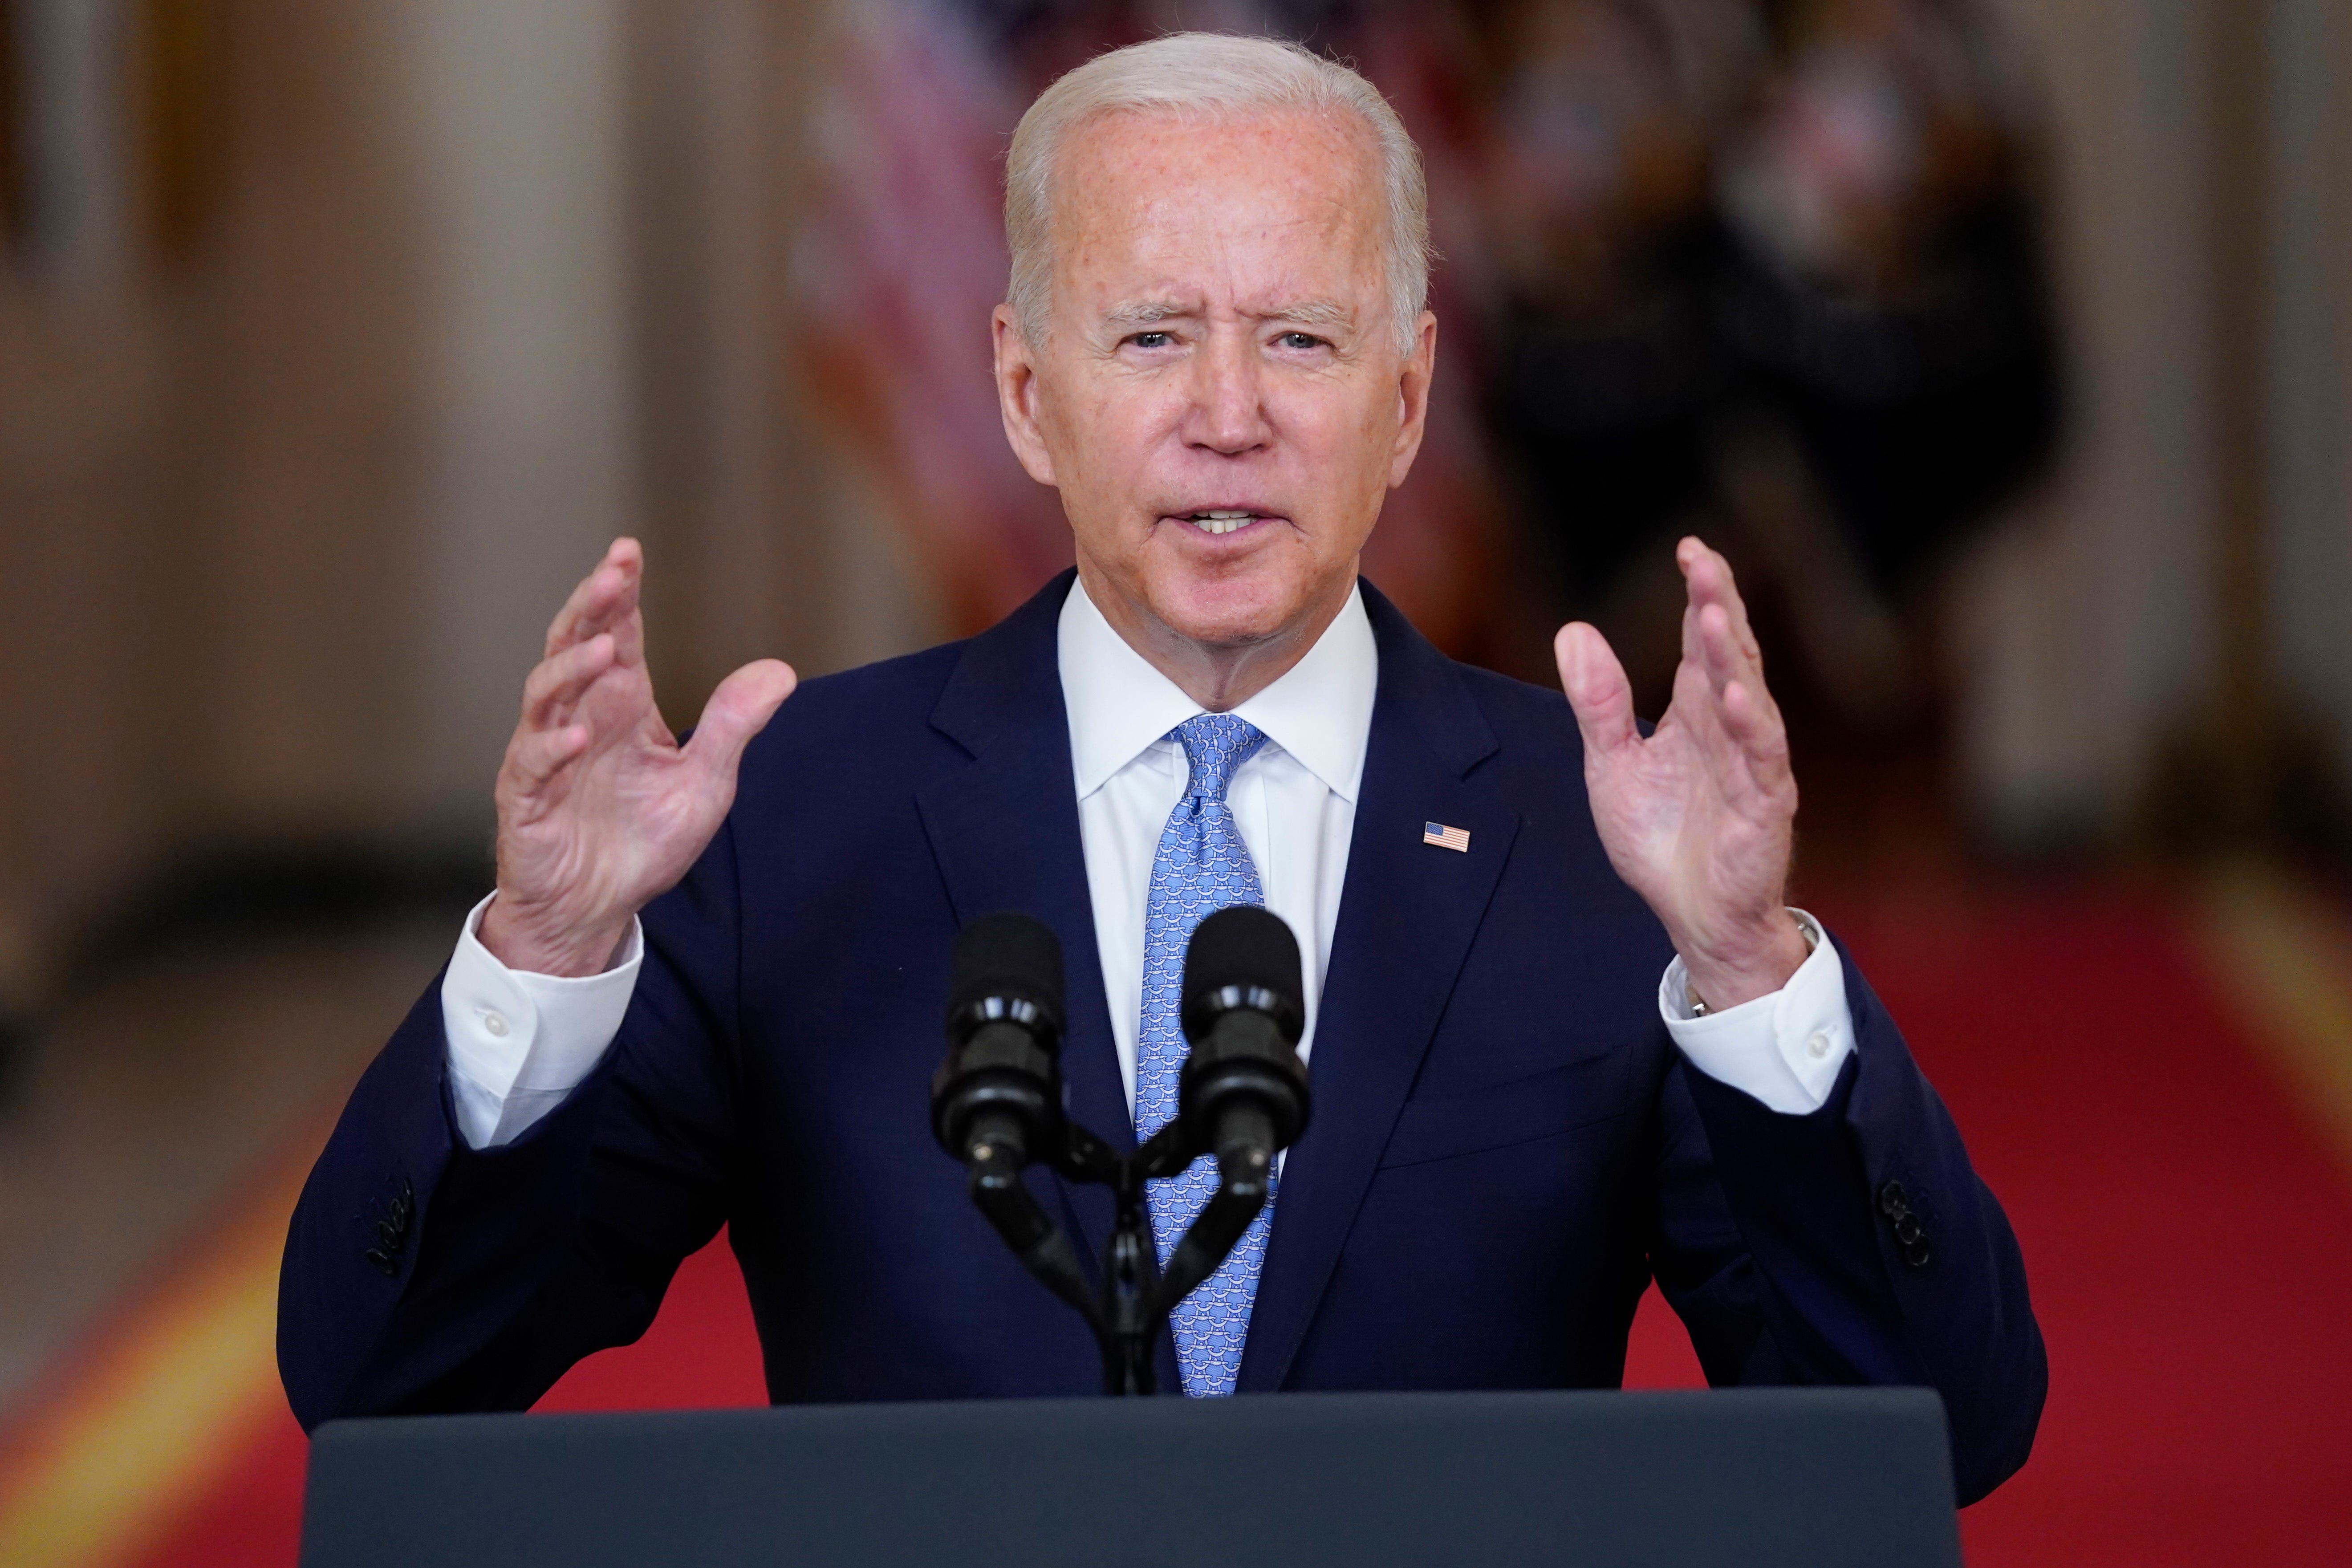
[(1444, 837)]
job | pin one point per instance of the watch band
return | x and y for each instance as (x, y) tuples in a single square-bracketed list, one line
[(1805, 926)]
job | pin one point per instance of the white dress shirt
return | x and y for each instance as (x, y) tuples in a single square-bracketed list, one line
[(518, 1043)]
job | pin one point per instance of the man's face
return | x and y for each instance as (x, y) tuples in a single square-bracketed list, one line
[(1221, 399)]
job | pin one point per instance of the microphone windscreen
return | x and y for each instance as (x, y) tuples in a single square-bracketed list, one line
[(1248, 947), (1009, 955)]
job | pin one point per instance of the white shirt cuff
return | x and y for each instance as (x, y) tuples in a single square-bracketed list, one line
[(1784, 1049), (519, 1042)]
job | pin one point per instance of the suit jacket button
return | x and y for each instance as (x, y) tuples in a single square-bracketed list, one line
[(1917, 1254), (1893, 1200), (382, 1261)]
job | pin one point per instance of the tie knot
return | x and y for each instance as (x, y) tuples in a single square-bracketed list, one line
[(1215, 745)]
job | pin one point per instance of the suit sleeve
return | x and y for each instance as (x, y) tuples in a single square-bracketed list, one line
[(1854, 1244), (424, 1275)]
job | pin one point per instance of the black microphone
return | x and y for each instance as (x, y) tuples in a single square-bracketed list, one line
[(1243, 1094), (997, 1099)]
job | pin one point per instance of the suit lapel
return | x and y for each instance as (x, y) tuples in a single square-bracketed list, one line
[(1003, 829), (1407, 916)]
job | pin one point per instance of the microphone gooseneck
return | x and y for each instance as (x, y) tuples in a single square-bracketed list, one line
[(1241, 1096), (996, 1107)]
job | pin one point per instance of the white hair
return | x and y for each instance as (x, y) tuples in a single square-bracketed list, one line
[(1214, 76)]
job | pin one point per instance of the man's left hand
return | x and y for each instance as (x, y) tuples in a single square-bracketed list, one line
[(1697, 819)]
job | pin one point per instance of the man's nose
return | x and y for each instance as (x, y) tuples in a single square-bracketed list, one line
[(1228, 412)]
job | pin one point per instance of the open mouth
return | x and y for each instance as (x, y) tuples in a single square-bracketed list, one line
[(1222, 522)]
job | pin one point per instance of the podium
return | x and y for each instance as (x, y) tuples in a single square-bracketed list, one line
[(1756, 1477)]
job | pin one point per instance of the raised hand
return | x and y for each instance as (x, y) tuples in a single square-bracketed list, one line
[(1698, 817), (600, 809)]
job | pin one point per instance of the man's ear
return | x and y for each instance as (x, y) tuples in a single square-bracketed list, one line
[(1413, 397), (1017, 389)]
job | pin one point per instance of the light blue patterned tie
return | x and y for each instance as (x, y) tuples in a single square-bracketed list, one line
[(1202, 867)]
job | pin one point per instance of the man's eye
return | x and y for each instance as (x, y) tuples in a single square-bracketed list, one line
[(1150, 340), (1299, 340)]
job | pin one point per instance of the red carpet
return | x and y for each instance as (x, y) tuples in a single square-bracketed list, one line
[(2187, 1233), (701, 1352), (2186, 1225)]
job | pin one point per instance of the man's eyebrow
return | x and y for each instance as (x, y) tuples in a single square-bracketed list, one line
[(1132, 313), (1312, 314)]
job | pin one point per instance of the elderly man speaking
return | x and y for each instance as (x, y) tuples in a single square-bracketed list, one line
[(1564, 1034)]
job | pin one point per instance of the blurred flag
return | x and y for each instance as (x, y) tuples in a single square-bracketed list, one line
[(900, 266)]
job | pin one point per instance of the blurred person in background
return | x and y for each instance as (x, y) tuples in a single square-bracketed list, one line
[(1770, 264), (1601, 368), (1887, 308)]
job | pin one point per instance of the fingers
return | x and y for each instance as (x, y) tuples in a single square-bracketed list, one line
[(737, 710), (1719, 641), (1718, 650), (1727, 662), (604, 598), (1708, 580), (537, 756), (555, 687), (1716, 635), (1754, 725), (1598, 692)]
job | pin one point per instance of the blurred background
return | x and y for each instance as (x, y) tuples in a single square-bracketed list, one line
[(2001, 343)]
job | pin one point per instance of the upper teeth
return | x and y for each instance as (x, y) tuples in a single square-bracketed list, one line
[(1223, 521)]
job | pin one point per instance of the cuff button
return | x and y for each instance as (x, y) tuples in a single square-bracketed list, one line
[(496, 1023), (1817, 1044)]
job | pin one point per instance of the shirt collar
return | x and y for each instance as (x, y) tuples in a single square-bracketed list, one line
[(1321, 711)]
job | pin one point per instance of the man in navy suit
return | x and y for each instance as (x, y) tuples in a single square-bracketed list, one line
[(1565, 1037)]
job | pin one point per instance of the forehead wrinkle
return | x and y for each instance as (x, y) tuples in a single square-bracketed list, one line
[(1128, 143), (1136, 200)]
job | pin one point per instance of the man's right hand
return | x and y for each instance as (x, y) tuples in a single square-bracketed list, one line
[(600, 809)]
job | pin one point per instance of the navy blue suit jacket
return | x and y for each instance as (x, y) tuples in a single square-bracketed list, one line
[(1505, 1146)]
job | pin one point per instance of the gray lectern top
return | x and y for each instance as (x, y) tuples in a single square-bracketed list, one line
[(1757, 1478)]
